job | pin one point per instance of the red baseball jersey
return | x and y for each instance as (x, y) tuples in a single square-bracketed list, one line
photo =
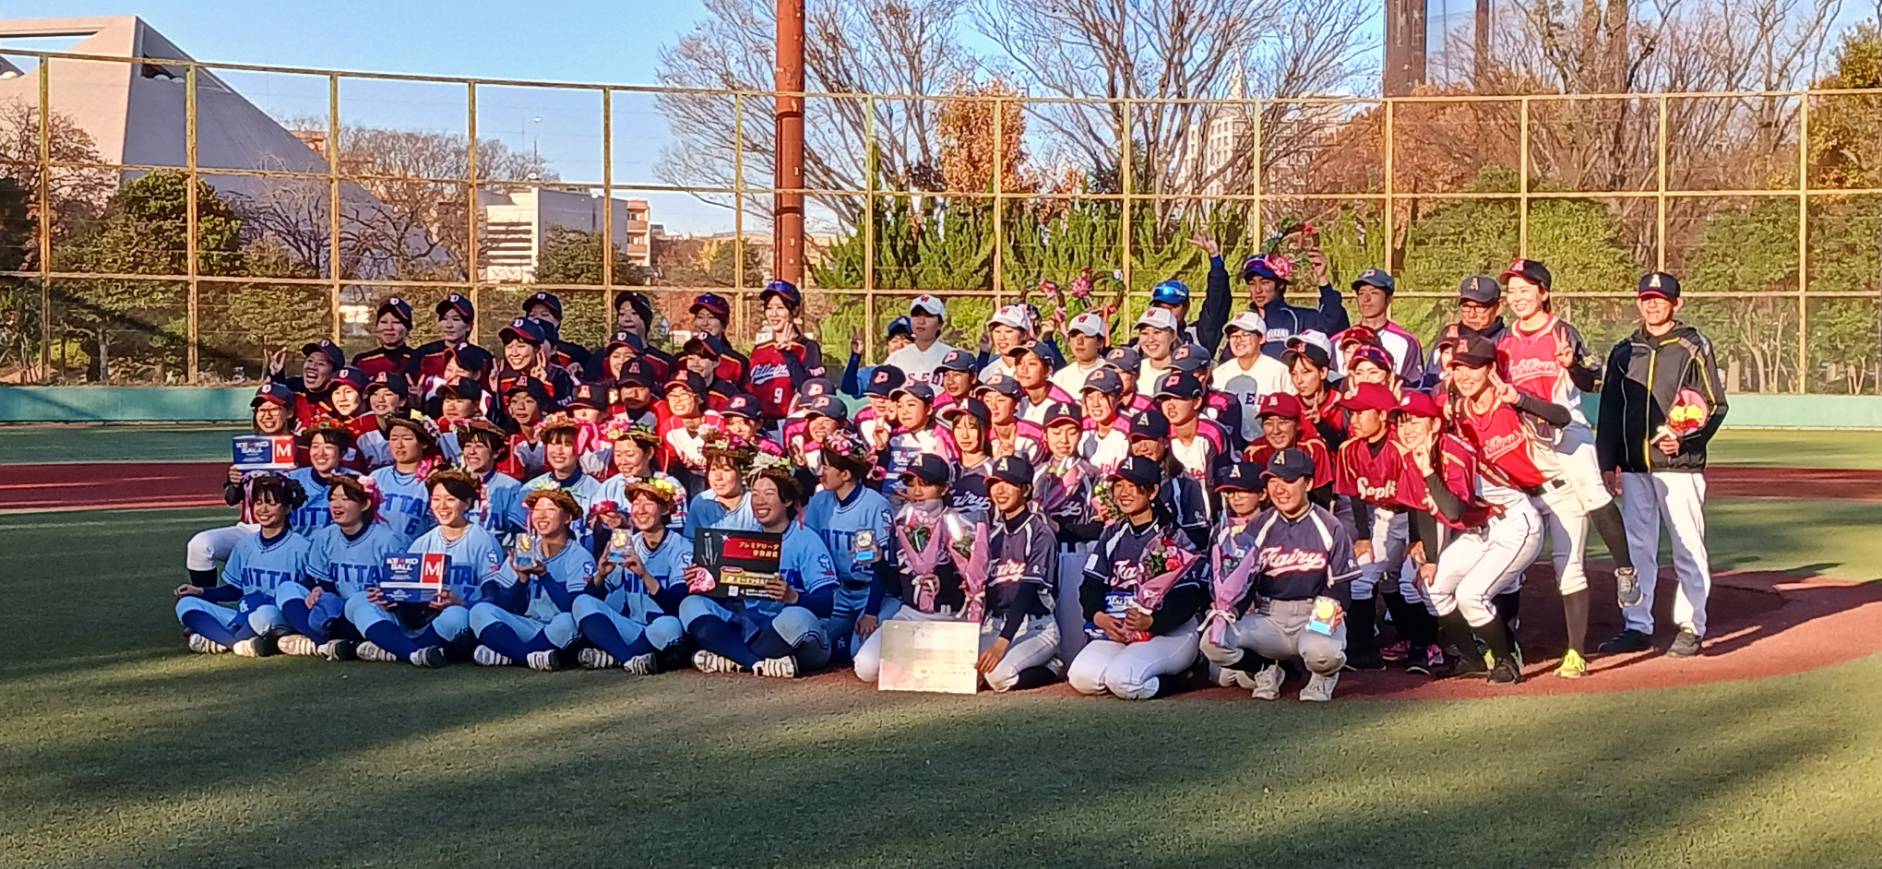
[(1371, 472), (1457, 467), (1527, 361), (1502, 444), (1314, 447)]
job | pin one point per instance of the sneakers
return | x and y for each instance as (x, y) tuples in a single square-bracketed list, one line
[(370, 651), (1465, 666), (1395, 652), (337, 650), (1627, 586), (297, 645), (709, 662), (595, 659), (1686, 645), (429, 657), (1268, 683), (202, 645), (1367, 659), (547, 661), (645, 664), (1574, 666), (1506, 672), (253, 647), (1235, 677), (488, 657), (1516, 651), (777, 668), (1626, 642), (1319, 688), (1426, 661)]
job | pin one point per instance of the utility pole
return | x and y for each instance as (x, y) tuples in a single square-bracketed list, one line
[(1404, 46), (787, 225)]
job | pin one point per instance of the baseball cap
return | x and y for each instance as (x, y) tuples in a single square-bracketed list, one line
[(1370, 396), (969, 406), (1123, 359), (459, 303), (467, 389), (1420, 404), (957, 360), (1088, 323), (472, 358), (1105, 380), (1528, 269), (1015, 316), (1190, 358), (1139, 470), (829, 406), (590, 396), (395, 381), (522, 328), (1029, 348), (1247, 321), (328, 349), (1358, 334), (273, 393), (784, 290), (928, 468), (636, 371), (814, 387), (928, 304), (352, 377), (1157, 318), (1179, 384), (712, 302), (1376, 278), (1170, 292), (902, 326), (543, 298), (1001, 384), (536, 389), (1281, 404), (1289, 464), (699, 346), (686, 379), (398, 307), (1011, 469), (1372, 354), (1277, 269), (1482, 289), (884, 380), (1658, 284), (1309, 344), (920, 390), (1238, 477), (1058, 412), (1474, 351), (1151, 425), (742, 406)]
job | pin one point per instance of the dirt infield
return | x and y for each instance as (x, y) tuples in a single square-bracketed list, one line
[(1762, 624)]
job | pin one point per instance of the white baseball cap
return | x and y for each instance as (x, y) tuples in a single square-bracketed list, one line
[(1158, 318), (1014, 316), (1248, 321), (1313, 337), (927, 304), (1088, 323)]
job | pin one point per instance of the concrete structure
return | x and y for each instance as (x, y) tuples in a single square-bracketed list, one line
[(517, 221), (1219, 149)]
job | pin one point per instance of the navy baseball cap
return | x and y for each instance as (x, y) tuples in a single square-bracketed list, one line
[(1170, 292), (814, 387), (1658, 285), (900, 325), (273, 393), (1012, 469), (1139, 470), (884, 381), (328, 349), (784, 290), (636, 372), (969, 406), (397, 307), (742, 406), (524, 329), (1060, 413), (1238, 477), (1376, 278), (1001, 384), (471, 357), (920, 390), (590, 396), (1474, 351), (1123, 358), (396, 381), (536, 389), (929, 468), (1105, 380), (459, 303), (1482, 289), (1190, 358), (1150, 425), (687, 379), (352, 377), (1289, 464), (699, 346), (712, 302), (1032, 348), (1530, 270), (543, 298), (1179, 384), (957, 360), (469, 390), (828, 405)]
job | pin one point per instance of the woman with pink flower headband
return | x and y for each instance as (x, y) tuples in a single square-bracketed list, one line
[(565, 472), (631, 454), (344, 559), (629, 611)]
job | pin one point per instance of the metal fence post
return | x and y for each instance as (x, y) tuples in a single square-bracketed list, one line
[(333, 203), (1391, 188), (869, 216), (189, 157), (1522, 181), (1125, 173), (1659, 198), (1803, 246), (607, 201), (470, 207), (45, 222), (738, 212)]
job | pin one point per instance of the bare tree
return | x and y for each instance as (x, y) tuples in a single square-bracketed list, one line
[(888, 47), (74, 194)]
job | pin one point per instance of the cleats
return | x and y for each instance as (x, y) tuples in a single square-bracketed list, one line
[(777, 668), (1319, 688), (709, 662), (370, 651), (1574, 666), (488, 657)]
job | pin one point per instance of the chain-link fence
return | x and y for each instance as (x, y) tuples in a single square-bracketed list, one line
[(217, 212)]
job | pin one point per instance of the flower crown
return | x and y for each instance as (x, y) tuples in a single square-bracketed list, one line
[(661, 488), (770, 462), (842, 444), (716, 441), (620, 428)]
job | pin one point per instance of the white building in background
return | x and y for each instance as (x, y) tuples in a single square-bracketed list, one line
[(1218, 151), (517, 222)]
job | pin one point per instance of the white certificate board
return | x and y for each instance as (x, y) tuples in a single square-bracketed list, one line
[(935, 656)]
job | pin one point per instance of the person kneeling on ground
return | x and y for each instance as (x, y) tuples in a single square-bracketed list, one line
[(258, 565)]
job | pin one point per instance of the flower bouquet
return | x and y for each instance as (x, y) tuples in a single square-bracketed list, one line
[(970, 558), (1231, 585), (1687, 415), (1060, 481), (923, 546), (1104, 501), (1164, 563)]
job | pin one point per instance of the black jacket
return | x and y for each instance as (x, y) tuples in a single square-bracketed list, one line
[(1642, 376)]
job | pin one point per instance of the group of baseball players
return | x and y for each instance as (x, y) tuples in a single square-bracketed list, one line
[(1234, 498)]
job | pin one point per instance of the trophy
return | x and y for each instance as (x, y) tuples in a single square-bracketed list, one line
[(620, 543), (525, 552)]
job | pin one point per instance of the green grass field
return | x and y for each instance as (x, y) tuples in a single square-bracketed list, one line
[(122, 749)]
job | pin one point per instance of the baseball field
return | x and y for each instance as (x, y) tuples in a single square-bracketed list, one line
[(120, 748)]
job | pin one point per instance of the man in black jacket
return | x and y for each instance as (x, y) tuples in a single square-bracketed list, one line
[(1661, 403)]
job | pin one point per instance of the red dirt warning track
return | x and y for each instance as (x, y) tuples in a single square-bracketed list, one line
[(1761, 624)]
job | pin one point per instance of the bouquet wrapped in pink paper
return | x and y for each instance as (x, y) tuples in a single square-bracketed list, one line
[(1231, 585), (970, 558), (1687, 415), (924, 542), (1062, 479), (1164, 563)]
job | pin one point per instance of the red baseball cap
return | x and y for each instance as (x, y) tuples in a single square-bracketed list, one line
[(1370, 396), (1281, 404), (1420, 404)]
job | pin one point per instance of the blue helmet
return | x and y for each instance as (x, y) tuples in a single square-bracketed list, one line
[(784, 289), (1170, 292)]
